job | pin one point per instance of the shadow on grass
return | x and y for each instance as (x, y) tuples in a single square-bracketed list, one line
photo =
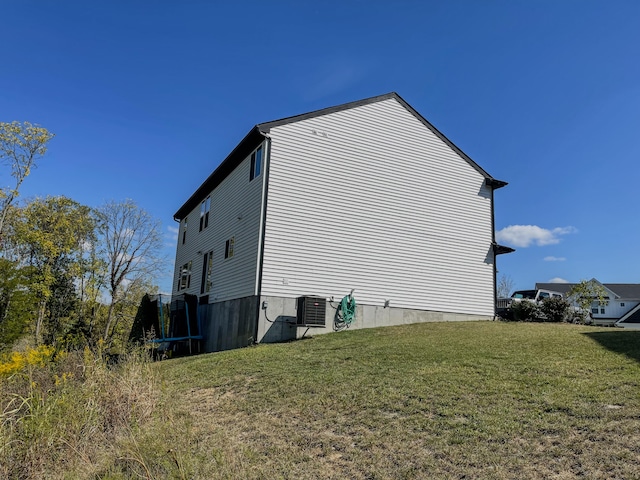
[(624, 342)]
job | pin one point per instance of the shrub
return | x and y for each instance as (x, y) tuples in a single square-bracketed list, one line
[(555, 309), (526, 311)]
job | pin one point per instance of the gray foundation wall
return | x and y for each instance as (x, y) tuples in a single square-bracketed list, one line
[(277, 322), (232, 323), (227, 325)]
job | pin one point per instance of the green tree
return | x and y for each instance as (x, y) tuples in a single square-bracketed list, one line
[(21, 144), (131, 241), (16, 302), (587, 292), (53, 233)]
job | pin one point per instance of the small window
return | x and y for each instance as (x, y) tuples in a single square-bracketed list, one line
[(602, 311), (594, 310), (205, 206), (622, 304), (207, 268), (256, 164), (228, 248), (184, 230), (185, 276)]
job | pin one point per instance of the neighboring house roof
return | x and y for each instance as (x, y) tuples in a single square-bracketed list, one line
[(562, 288), (257, 134), (621, 290), (625, 290), (633, 316)]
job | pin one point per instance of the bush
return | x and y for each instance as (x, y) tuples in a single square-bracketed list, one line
[(556, 309), (526, 311)]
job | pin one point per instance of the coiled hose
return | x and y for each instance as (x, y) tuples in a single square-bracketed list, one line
[(347, 309)]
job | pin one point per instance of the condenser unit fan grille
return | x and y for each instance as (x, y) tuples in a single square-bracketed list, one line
[(312, 311)]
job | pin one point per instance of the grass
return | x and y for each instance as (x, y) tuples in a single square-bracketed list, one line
[(438, 400), (486, 400)]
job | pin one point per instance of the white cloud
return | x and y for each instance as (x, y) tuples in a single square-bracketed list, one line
[(551, 258), (526, 235), (558, 280), (171, 237)]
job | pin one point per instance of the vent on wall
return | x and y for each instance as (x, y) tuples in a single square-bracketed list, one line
[(311, 311)]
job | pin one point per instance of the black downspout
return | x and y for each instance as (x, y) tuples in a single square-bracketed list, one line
[(495, 255)]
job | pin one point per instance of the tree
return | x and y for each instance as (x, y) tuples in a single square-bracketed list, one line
[(587, 292), (21, 144), (505, 286), (53, 233), (131, 242)]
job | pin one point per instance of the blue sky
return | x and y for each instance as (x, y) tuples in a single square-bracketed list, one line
[(147, 97)]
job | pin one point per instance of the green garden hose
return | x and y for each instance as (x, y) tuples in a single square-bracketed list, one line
[(348, 309)]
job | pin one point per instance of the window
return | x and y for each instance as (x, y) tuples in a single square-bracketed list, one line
[(207, 268), (256, 163), (184, 230), (594, 310), (602, 311), (205, 206), (228, 248), (622, 304), (185, 276)]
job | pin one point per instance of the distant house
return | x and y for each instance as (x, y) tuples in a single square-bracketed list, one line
[(623, 303), (366, 197)]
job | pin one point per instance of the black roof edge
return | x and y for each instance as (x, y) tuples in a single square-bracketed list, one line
[(267, 126), (495, 184), (257, 133), (501, 249), (242, 150)]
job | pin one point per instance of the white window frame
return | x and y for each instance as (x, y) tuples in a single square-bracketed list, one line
[(229, 247), (257, 160), (205, 207), (184, 276)]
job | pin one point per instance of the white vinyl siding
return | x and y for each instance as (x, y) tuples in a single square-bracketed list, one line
[(370, 199), (234, 213), (615, 309)]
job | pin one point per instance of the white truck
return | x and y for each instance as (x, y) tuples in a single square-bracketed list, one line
[(536, 296)]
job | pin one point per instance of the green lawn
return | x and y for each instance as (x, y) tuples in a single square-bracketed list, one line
[(436, 400)]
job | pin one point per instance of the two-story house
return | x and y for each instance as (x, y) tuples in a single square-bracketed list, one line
[(367, 198)]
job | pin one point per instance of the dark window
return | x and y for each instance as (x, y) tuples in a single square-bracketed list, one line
[(207, 267), (256, 164), (204, 213), (185, 276), (184, 230), (228, 248)]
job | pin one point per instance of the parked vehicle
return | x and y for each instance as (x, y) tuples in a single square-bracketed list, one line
[(536, 296)]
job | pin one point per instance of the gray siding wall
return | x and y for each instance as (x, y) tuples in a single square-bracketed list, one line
[(370, 199), (235, 212)]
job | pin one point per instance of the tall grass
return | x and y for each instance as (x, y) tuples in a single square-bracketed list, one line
[(76, 415)]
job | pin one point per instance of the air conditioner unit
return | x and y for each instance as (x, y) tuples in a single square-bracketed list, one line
[(312, 311)]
